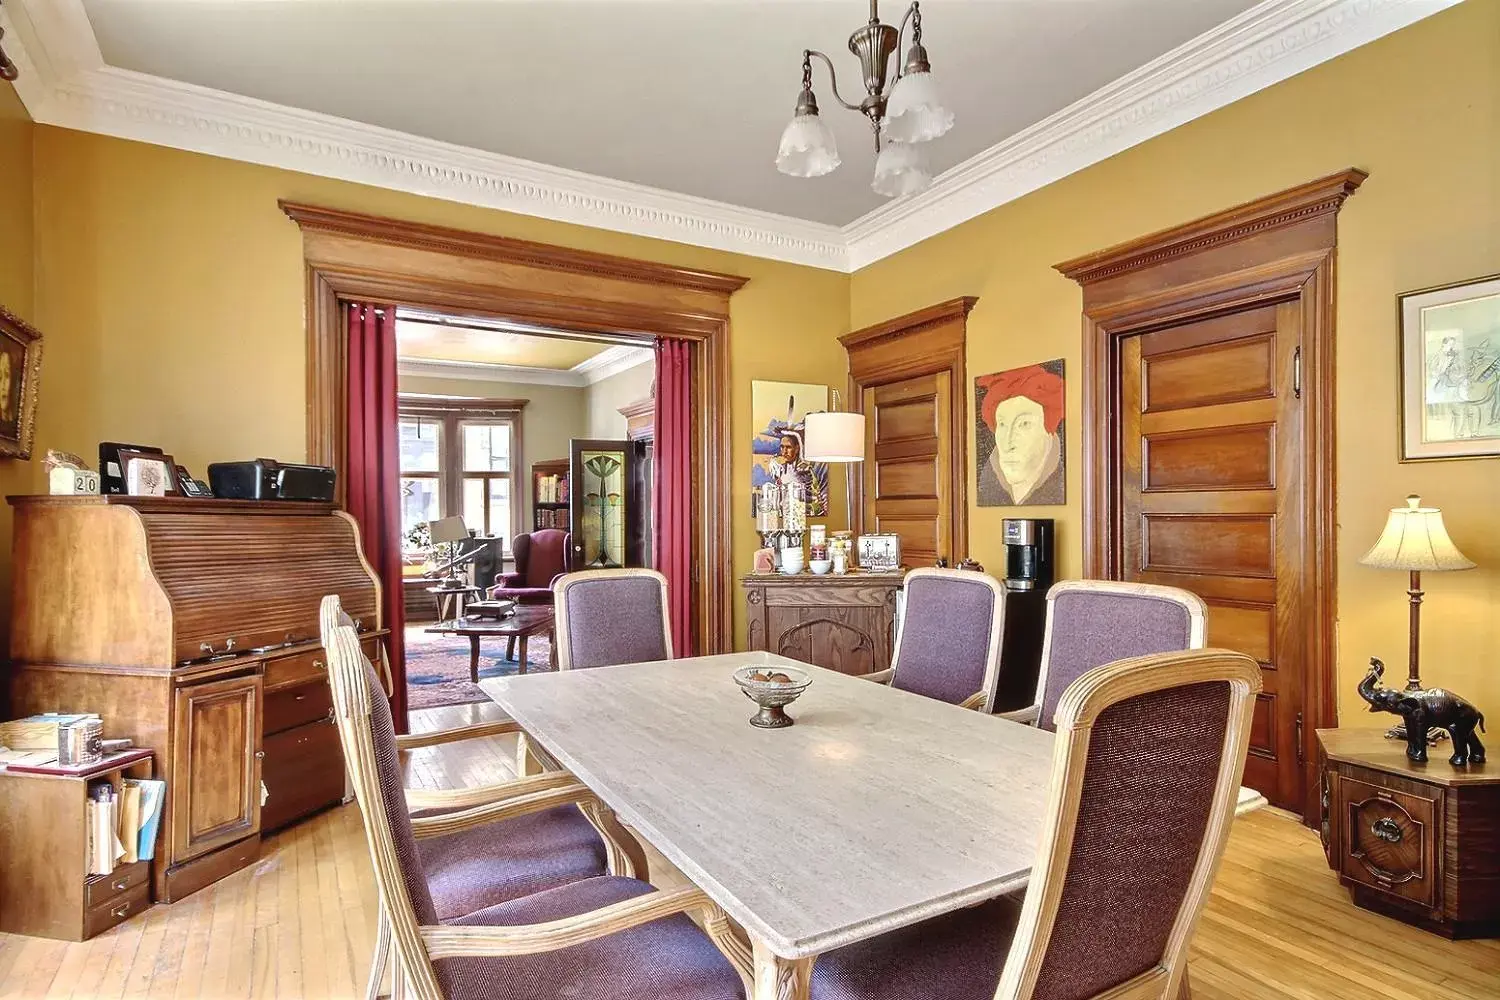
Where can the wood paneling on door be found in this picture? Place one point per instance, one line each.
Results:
(1208, 503)
(907, 376)
(215, 765)
(908, 436)
(1208, 444)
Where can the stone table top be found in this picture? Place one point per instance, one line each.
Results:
(878, 809)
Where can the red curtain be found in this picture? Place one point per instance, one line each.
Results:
(372, 473)
(672, 518)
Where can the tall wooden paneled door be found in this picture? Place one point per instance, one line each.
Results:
(1211, 492)
(908, 427)
(906, 376)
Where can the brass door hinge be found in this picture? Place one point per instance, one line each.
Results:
(1297, 372)
(1300, 758)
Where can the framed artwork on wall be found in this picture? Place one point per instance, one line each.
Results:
(1020, 436)
(1450, 371)
(777, 410)
(20, 371)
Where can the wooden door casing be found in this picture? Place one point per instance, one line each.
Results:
(216, 764)
(1210, 485)
(915, 365)
(1280, 248)
(908, 428)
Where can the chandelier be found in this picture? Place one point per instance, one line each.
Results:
(903, 115)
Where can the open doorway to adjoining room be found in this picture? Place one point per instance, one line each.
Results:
(525, 452)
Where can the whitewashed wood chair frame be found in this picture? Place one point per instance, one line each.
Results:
(623, 852)
(984, 699)
(1080, 707)
(417, 946)
(585, 577)
(1197, 613)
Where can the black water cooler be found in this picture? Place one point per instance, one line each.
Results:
(1028, 576)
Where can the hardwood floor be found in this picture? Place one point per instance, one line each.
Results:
(300, 923)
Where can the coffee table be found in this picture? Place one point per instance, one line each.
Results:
(527, 621)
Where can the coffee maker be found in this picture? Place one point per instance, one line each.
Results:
(1028, 552)
(1028, 576)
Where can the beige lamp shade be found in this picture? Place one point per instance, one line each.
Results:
(834, 437)
(1415, 539)
(449, 529)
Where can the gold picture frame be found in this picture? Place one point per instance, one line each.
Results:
(1449, 357)
(20, 373)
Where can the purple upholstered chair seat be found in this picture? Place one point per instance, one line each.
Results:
(668, 959)
(495, 863)
(523, 595)
(957, 956)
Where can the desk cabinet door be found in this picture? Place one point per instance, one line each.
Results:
(216, 763)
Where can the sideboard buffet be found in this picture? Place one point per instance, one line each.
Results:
(191, 627)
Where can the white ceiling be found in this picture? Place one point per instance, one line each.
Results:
(660, 117)
(684, 96)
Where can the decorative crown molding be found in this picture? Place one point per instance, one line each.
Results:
(608, 362)
(612, 361)
(64, 82)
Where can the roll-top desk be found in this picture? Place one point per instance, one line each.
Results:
(191, 627)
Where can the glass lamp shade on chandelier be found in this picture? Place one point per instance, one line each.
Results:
(903, 114)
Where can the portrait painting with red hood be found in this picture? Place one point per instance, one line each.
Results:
(1019, 436)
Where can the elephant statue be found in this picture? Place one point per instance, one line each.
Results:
(1426, 709)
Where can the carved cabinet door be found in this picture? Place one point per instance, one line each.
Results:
(216, 765)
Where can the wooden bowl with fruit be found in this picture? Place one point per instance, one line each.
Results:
(771, 686)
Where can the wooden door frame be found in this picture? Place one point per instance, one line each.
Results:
(1278, 248)
(354, 257)
(927, 346)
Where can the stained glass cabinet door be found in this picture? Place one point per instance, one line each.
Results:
(604, 504)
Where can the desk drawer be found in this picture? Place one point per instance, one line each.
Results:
(299, 668)
(98, 919)
(1390, 840)
(288, 707)
(100, 889)
(303, 772)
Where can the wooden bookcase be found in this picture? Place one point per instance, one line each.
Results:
(549, 514)
(45, 887)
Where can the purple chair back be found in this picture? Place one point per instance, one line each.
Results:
(541, 556)
(612, 616)
(949, 644)
(1094, 622)
(1164, 740)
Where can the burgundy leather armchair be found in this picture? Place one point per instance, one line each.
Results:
(541, 557)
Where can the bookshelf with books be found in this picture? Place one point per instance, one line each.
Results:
(79, 845)
(549, 492)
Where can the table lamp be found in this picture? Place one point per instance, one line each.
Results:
(835, 437)
(449, 531)
(1415, 540)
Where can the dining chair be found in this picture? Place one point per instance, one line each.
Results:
(609, 937)
(948, 644)
(471, 863)
(1093, 622)
(1145, 774)
(611, 616)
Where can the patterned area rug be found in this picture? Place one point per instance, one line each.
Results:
(437, 666)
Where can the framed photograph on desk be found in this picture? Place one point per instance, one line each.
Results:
(148, 474)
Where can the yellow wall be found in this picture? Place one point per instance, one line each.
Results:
(16, 252)
(605, 397)
(1420, 110)
(171, 287)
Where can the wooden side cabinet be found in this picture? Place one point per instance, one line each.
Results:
(845, 623)
(45, 887)
(1420, 843)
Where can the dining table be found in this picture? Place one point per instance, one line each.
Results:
(876, 809)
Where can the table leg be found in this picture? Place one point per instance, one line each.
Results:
(777, 978)
(510, 648)
(522, 668)
(474, 659)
